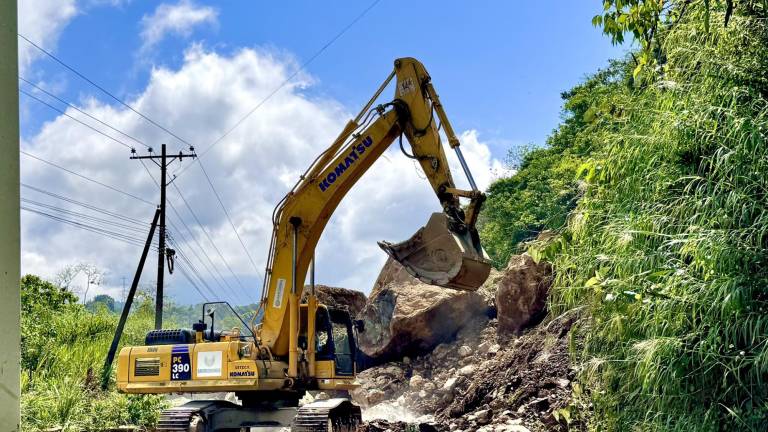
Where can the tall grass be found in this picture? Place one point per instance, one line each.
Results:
(64, 346)
(668, 248)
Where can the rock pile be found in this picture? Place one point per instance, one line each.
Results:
(405, 316)
(485, 373)
(341, 298)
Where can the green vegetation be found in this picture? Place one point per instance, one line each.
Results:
(545, 189)
(63, 350)
(664, 250)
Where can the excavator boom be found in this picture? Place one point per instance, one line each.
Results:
(308, 346)
(445, 252)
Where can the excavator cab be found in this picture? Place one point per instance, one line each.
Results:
(443, 253)
(335, 340)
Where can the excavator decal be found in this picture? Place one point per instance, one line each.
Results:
(181, 368)
(337, 172)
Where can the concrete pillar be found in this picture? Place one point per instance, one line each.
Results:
(10, 267)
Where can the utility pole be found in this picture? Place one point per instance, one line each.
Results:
(107, 371)
(122, 297)
(10, 353)
(165, 160)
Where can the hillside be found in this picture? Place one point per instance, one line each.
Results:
(655, 185)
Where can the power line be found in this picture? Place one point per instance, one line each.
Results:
(210, 239)
(84, 177)
(75, 119)
(293, 75)
(183, 258)
(224, 286)
(189, 279)
(136, 241)
(220, 281)
(205, 254)
(221, 204)
(84, 216)
(115, 235)
(82, 204)
(103, 90)
(84, 113)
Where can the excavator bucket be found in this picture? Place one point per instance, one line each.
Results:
(438, 256)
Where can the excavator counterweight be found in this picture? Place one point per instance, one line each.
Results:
(438, 255)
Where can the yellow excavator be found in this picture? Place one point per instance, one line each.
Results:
(298, 347)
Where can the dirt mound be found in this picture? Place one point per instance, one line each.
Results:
(479, 382)
(529, 380)
(489, 376)
(341, 298)
(385, 426)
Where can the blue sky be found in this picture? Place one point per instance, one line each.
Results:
(499, 65)
(197, 67)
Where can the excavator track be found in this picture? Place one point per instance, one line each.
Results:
(180, 419)
(220, 416)
(332, 415)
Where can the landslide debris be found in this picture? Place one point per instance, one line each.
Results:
(341, 298)
(522, 293)
(404, 316)
(481, 375)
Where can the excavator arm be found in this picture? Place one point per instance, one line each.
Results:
(445, 252)
(270, 373)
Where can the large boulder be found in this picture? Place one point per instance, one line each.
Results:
(341, 298)
(521, 296)
(405, 316)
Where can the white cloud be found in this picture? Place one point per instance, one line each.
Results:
(252, 169)
(42, 21)
(178, 19)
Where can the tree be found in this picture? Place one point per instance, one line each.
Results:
(37, 293)
(102, 299)
(66, 276)
(648, 20)
(41, 301)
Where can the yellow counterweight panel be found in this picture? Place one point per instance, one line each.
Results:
(150, 364)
